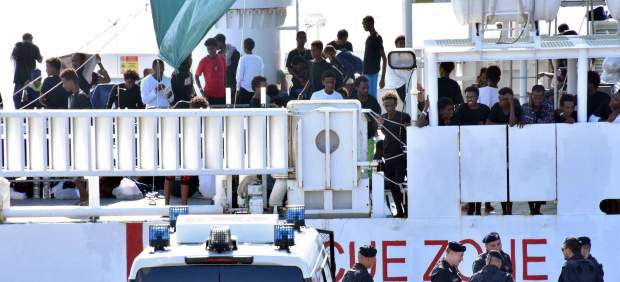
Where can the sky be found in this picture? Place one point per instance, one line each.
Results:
(61, 27)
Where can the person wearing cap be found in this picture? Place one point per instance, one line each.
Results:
(365, 260)
(586, 246)
(491, 271)
(492, 242)
(576, 268)
(446, 269)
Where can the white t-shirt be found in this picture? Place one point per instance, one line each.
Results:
(397, 78)
(321, 95)
(488, 96)
(250, 66)
(153, 98)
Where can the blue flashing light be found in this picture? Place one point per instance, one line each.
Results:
(159, 236)
(284, 235)
(296, 215)
(174, 213)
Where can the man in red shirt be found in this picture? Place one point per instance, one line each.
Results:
(213, 69)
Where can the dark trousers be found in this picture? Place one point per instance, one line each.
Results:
(243, 97)
(17, 98)
(402, 92)
(396, 170)
(216, 101)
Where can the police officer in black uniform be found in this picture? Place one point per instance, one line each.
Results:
(576, 268)
(492, 242)
(586, 246)
(491, 271)
(446, 269)
(365, 260)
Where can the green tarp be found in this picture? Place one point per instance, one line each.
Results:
(180, 25)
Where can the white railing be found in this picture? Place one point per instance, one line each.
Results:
(577, 165)
(41, 143)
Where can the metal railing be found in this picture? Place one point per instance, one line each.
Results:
(42, 143)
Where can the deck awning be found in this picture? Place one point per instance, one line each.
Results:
(181, 25)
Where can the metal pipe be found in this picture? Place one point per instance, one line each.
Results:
(431, 82)
(523, 81)
(407, 22)
(582, 93)
(79, 212)
(571, 76)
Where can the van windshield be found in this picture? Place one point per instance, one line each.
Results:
(220, 273)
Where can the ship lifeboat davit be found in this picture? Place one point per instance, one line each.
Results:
(491, 11)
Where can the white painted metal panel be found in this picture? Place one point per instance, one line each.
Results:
(588, 166)
(531, 163)
(433, 171)
(81, 148)
(483, 163)
(312, 161)
(278, 142)
(37, 144)
(169, 143)
(235, 145)
(104, 149)
(2, 138)
(213, 143)
(59, 143)
(15, 143)
(148, 143)
(191, 143)
(343, 161)
(257, 142)
(126, 143)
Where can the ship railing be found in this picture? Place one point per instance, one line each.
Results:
(89, 144)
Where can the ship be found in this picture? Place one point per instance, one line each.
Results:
(316, 151)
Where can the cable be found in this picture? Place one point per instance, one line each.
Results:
(133, 17)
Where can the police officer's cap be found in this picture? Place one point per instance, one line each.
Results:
(584, 241)
(495, 254)
(456, 247)
(368, 251)
(491, 237)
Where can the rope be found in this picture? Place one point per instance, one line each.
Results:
(133, 17)
(389, 132)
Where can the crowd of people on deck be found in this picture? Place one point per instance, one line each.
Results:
(323, 72)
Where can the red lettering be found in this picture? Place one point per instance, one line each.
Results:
(386, 260)
(478, 250)
(340, 250)
(442, 249)
(527, 259)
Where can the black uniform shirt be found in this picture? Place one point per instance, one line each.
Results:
(578, 269)
(443, 272)
(358, 273)
(491, 273)
(480, 262)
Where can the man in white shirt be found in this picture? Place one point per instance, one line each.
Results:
(489, 95)
(329, 91)
(250, 66)
(156, 88)
(398, 79)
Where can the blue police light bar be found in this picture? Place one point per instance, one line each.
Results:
(296, 215)
(174, 213)
(159, 236)
(284, 235)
